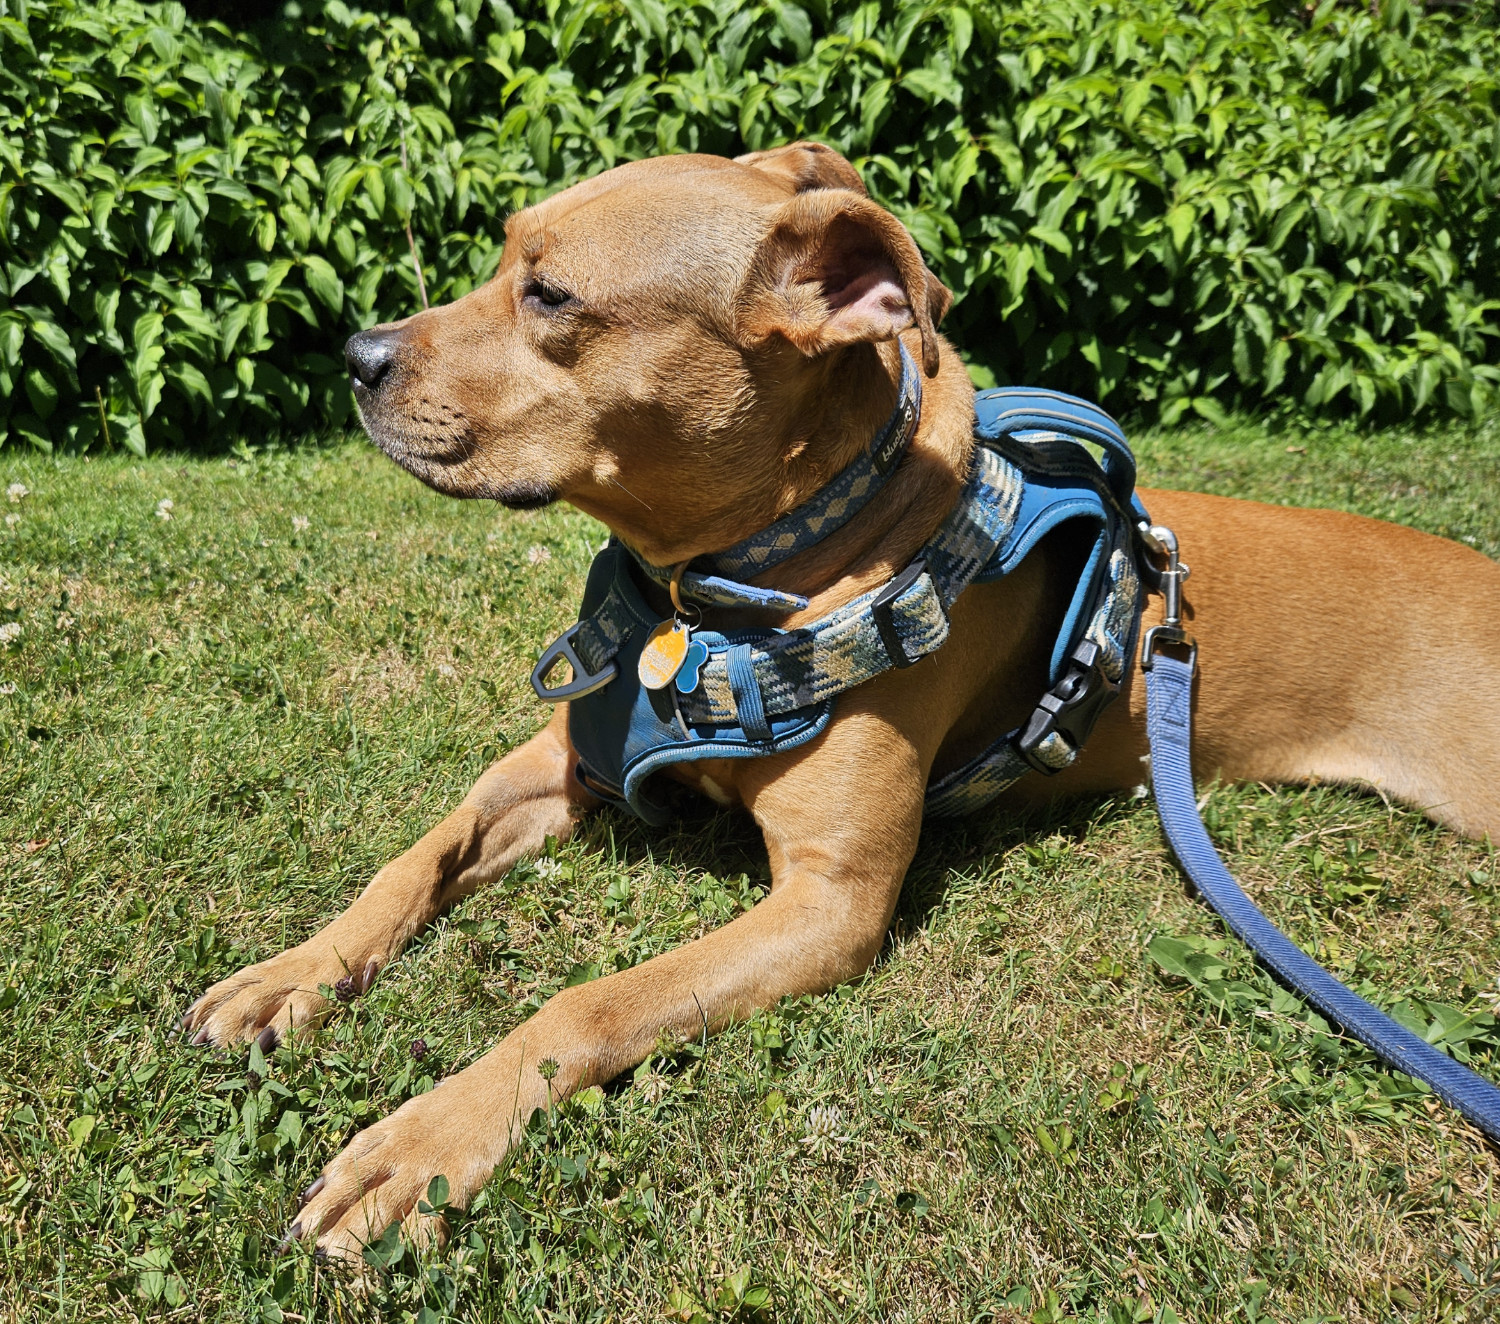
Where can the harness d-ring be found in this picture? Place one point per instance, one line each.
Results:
(583, 682)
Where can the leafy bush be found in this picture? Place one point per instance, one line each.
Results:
(1165, 206)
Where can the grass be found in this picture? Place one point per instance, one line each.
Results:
(1059, 1094)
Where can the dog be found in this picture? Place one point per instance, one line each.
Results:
(686, 348)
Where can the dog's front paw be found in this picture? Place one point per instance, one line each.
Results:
(265, 1000)
(385, 1172)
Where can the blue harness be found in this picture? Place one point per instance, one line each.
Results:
(763, 691)
(758, 692)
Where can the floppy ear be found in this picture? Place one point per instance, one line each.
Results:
(836, 269)
(805, 166)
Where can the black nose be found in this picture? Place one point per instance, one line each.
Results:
(370, 354)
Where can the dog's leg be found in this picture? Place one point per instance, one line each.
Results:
(527, 796)
(838, 856)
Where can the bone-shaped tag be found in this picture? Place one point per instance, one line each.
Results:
(692, 665)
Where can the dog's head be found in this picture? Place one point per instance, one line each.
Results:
(657, 343)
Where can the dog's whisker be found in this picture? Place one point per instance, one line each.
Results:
(628, 492)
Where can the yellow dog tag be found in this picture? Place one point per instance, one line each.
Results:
(665, 651)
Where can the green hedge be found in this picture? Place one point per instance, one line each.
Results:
(1166, 206)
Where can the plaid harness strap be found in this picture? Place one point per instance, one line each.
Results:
(762, 691)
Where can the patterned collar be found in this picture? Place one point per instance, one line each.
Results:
(715, 579)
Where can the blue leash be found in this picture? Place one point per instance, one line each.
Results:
(1169, 690)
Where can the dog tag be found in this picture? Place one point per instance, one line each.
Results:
(665, 651)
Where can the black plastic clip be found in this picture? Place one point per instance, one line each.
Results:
(584, 681)
(1071, 707)
(882, 606)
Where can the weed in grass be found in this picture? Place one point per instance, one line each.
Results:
(1061, 1093)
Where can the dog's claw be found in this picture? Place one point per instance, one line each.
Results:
(312, 1190)
(292, 1233)
(372, 968)
(200, 1038)
(267, 1039)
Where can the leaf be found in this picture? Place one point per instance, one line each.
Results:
(1285, 223)
(47, 332)
(1053, 238)
(289, 1127)
(162, 230)
(133, 438)
(385, 1251)
(539, 140)
(41, 390)
(80, 1129)
(1180, 221)
(1173, 955)
(234, 323)
(323, 281)
(793, 22)
(1205, 406)
(106, 306)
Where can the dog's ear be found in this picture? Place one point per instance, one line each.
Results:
(806, 166)
(836, 269)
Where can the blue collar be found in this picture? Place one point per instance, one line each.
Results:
(716, 579)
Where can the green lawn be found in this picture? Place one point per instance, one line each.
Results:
(214, 727)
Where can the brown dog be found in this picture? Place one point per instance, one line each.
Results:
(687, 348)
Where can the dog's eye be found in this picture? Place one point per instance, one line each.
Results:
(545, 292)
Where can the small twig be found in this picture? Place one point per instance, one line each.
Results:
(411, 241)
(103, 417)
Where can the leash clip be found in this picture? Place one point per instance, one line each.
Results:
(1161, 541)
(583, 682)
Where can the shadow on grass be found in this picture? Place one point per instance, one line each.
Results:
(727, 842)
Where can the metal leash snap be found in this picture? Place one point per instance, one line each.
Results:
(1161, 541)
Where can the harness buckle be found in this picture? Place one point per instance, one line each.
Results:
(584, 681)
(882, 612)
(1163, 542)
(1069, 709)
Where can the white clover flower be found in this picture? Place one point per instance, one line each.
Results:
(536, 554)
(654, 1086)
(17, 492)
(10, 632)
(9, 687)
(823, 1122)
(164, 508)
(546, 867)
(11, 521)
(300, 523)
(444, 669)
(821, 1127)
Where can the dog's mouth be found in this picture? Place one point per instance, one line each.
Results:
(434, 443)
(414, 432)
